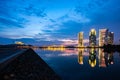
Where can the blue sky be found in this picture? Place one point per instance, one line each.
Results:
(46, 22)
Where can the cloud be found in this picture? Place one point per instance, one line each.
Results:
(30, 20)
(40, 20)
(68, 42)
(13, 14)
(89, 6)
(86, 41)
(31, 10)
(8, 22)
(72, 16)
(100, 12)
(72, 42)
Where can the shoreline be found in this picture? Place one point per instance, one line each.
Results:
(27, 66)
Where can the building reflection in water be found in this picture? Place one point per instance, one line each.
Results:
(109, 58)
(105, 58)
(80, 56)
(101, 58)
(92, 57)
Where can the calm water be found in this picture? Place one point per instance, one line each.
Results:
(83, 64)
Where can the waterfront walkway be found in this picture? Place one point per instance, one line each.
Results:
(26, 65)
(8, 53)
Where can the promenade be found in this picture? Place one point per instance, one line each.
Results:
(24, 65)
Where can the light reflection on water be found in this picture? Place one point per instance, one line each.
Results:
(83, 64)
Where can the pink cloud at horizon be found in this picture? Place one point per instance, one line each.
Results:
(68, 42)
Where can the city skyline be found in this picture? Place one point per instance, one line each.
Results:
(59, 39)
(35, 22)
(105, 37)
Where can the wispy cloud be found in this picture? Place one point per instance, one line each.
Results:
(47, 21)
(72, 41)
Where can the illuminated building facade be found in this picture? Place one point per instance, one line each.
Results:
(19, 43)
(103, 36)
(92, 38)
(80, 39)
(110, 38)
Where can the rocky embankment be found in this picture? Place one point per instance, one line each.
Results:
(27, 66)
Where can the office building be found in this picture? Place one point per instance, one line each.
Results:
(110, 38)
(80, 39)
(103, 36)
(92, 38)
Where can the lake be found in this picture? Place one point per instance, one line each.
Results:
(83, 64)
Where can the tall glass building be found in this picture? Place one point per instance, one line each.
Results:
(110, 38)
(92, 38)
(103, 36)
(80, 39)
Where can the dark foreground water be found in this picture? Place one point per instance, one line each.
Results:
(83, 64)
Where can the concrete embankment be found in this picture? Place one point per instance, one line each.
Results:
(27, 66)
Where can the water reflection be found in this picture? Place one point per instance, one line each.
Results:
(92, 57)
(82, 64)
(109, 58)
(101, 57)
(105, 58)
(80, 56)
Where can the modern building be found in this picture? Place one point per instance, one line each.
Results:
(103, 36)
(110, 38)
(92, 38)
(80, 39)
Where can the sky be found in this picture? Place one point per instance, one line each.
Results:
(48, 22)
